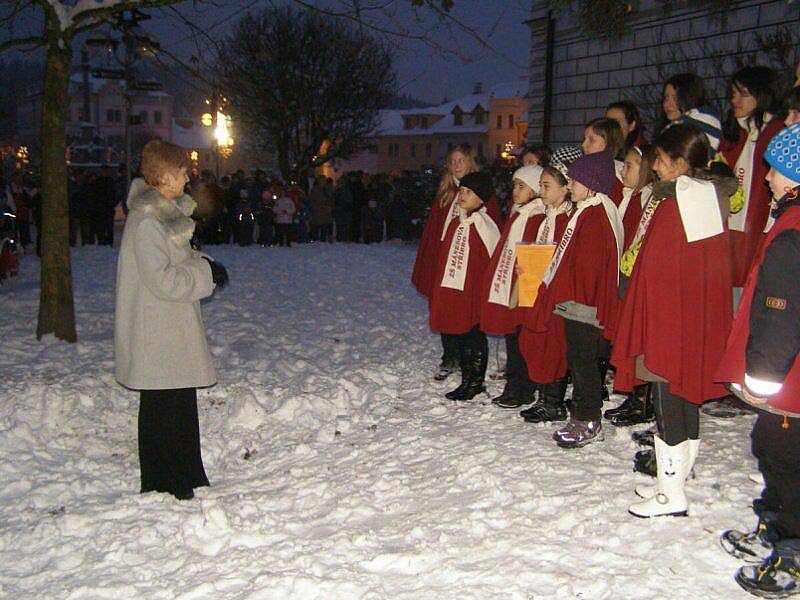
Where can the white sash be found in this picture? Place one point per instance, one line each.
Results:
(455, 272)
(648, 210)
(616, 226)
(500, 289)
(545, 236)
(744, 171)
(699, 208)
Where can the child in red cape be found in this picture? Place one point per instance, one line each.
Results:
(456, 301)
(761, 362)
(677, 309)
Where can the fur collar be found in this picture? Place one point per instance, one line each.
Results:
(174, 215)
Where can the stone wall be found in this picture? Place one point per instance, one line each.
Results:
(588, 74)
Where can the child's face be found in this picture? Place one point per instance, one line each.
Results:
(631, 169)
(469, 200)
(579, 191)
(458, 165)
(553, 193)
(529, 158)
(669, 169)
(792, 117)
(779, 184)
(742, 102)
(173, 182)
(522, 192)
(670, 103)
(592, 142)
(619, 116)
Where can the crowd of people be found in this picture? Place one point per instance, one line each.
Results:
(359, 207)
(673, 263)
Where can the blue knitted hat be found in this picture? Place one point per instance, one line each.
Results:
(783, 152)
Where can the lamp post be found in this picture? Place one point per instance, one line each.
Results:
(222, 142)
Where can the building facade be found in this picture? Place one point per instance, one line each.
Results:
(573, 78)
(492, 123)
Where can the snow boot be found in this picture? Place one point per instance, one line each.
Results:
(515, 400)
(751, 547)
(644, 438)
(636, 409)
(644, 462)
(673, 466)
(444, 371)
(473, 373)
(577, 434)
(776, 577)
(726, 408)
(644, 490)
(550, 406)
(602, 366)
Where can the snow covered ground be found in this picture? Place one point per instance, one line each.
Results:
(338, 470)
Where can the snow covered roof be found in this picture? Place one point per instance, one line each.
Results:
(393, 122)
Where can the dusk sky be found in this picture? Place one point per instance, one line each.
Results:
(424, 72)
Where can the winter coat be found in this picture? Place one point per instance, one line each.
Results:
(765, 337)
(677, 310)
(159, 339)
(321, 206)
(284, 210)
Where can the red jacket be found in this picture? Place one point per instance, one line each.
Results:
(744, 243)
(633, 213)
(588, 275)
(458, 311)
(678, 306)
(732, 366)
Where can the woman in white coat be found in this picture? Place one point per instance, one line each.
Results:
(159, 341)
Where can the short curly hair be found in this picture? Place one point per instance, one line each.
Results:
(158, 157)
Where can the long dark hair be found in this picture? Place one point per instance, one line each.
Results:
(687, 142)
(631, 113)
(690, 91)
(762, 85)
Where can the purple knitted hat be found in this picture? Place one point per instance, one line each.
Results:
(595, 171)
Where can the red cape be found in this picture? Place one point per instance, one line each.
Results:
(458, 311)
(587, 274)
(495, 318)
(732, 365)
(744, 243)
(678, 306)
(423, 277)
(633, 214)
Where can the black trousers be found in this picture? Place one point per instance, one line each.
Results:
(475, 341)
(585, 348)
(169, 441)
(517, 379)
(678, 420)
(778, 453)
(284, 234)
(450, 349)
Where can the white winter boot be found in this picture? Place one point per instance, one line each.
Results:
(673, 464)
(646, 490)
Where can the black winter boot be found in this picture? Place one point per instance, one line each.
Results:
(550, 406)
(602, 366)
(636, 409)
(473, 373)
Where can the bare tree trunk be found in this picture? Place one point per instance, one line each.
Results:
(56, 309)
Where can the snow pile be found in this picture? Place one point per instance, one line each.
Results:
(338, 470)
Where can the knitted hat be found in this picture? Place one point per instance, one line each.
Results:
(480, 183)
(783, 152)
(595, 171)
(563, 157)
(530, 175)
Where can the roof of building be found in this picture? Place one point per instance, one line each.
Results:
(392, 122)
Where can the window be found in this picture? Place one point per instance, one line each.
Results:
(157, 117)
(480, 116)
(114, 115)
(428, 150)
(499, 121)
(458, 117)
(143, 117)
(413, 151)
(424, 122)
(480, 149)
(511, 121)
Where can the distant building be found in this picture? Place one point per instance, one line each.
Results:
(574, 77)
(492, 122)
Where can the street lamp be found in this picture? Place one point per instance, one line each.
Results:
(222, 141)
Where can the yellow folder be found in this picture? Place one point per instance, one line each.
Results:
(533, 259)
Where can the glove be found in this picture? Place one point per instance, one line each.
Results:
(218, 273)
